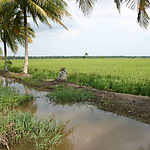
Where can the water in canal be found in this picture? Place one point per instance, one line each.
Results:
(93, 129)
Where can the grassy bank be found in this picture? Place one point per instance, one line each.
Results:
(119, 75)
(24, 128)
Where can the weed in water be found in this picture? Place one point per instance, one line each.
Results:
(70, 96)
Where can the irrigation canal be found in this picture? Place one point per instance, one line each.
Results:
(93, 129)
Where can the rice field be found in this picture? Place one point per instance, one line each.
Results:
(119, 75)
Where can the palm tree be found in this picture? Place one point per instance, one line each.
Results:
(38, 9)
(12, 31)
(7, 35)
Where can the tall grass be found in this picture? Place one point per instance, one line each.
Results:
(118, 75)
(18, 128)
(10, 97)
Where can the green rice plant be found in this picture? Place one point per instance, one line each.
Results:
(130, 76)
(9, 97)
(70, 96)
(18, 128)
(113, 83)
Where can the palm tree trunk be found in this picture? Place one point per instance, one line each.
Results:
(5, 52)
(25, 67)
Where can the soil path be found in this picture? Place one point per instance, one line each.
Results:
(132, 106)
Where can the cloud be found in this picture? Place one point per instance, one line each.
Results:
(68, 34)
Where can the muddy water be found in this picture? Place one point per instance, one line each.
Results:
(93, 129)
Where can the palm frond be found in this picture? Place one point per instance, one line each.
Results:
(86, 5)
(143, 19)
(136, 4)
(3, 3)
(55, 10)
(118, 4)
(11, 41)
(37, 8)
(141, 6)
(29, 40)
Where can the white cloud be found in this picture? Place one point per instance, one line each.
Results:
(68, 34)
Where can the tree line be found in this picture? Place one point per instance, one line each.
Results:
(71, 57)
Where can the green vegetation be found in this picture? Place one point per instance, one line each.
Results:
(43, 10)
(39, 76)
(70, 96)
(9, 97)
(119, 75)
(18, 128)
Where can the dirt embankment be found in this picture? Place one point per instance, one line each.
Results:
(132, 106)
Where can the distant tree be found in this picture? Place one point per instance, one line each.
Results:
(101, 56)
(86, 54)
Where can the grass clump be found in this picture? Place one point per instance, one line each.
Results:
(10, 97)
(18, 128)
(71, 95)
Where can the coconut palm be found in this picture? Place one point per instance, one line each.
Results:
(12, 30)
(6, 34)
(38, 9)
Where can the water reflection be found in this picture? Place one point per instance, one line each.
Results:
(93, 130)
(28, 105)
(64, 103)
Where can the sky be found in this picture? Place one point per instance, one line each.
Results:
(105, 32)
